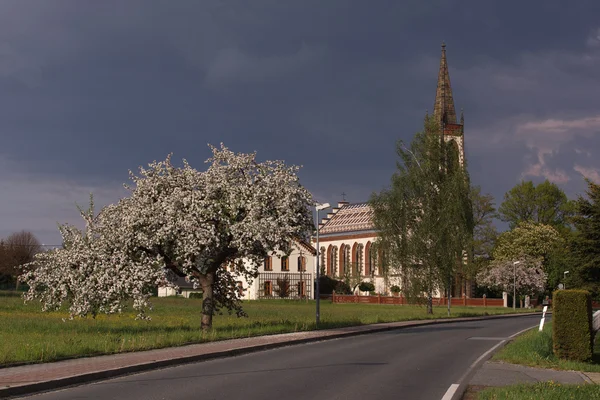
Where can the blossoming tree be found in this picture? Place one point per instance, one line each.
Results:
(177, 222)
(528, 277)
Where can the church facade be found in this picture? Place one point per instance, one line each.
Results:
(347, 236)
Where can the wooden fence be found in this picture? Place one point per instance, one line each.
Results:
(378, 299)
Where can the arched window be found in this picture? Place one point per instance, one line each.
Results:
(268, 264)
(285, 263)
(357, 259)
(380, 260)
(331, 260)
(344, 259)
(368, 259)
(301, 263)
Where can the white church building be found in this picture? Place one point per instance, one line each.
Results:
(347, 237)
(280, 276)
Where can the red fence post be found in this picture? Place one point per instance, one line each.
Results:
(464, 300)
(356, 298)
(333, 296)
(378, 298)
(484, 301)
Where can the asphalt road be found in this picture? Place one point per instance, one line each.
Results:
(412, 363)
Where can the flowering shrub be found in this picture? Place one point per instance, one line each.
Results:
(529, 276)
(177, 222)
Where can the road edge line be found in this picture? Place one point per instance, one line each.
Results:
(463, 382)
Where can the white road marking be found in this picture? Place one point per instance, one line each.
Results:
(450, 392)
(518, 333)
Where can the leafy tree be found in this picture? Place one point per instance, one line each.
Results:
(17, 249)
(545, 204)
(177, 221)
(424, 218)
(484, 231)
(585, 242)
(527, 239)
(534, 240)
(529, 276)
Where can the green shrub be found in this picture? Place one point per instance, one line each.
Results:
(327, 285)
(195, 295)
(395, 289)
(572, 324)
(366, 287)
(342, 287)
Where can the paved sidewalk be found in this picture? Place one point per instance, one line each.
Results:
(504, 374)
(39, 377)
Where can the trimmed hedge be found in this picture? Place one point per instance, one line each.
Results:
(366, 287)
(572, 324)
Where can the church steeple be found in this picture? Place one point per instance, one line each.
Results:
(443, 109)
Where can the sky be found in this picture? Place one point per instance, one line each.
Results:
(90, 90)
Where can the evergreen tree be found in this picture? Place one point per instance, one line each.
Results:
(425, 219)
(585, 242)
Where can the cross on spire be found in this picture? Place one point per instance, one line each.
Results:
(343, 196)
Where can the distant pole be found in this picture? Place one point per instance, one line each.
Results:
(514, 285)
(317, 289)
(565, 279)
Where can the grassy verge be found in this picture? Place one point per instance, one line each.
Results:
(545, 391)
(29, 336)
(534, 349)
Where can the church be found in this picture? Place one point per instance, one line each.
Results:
(347, 236)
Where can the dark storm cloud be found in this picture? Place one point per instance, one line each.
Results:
(91, 89)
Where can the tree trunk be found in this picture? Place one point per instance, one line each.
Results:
(208, 306)
(429, 303)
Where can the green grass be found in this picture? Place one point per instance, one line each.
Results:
(534, 349)
(541, 391)
(29, 336)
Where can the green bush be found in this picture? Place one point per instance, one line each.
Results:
(195, 295)
(342, 287)
(366, 287)
(327, 285)
(395, 289)
(572, 324)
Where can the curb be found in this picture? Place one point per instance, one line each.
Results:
(75, 380)
(585, 377)
(466, 378)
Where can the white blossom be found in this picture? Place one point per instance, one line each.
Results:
(177, 221)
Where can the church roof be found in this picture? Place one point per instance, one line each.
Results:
(443, 109)
(349, 218)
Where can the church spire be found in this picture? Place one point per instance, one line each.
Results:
(443, 110)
